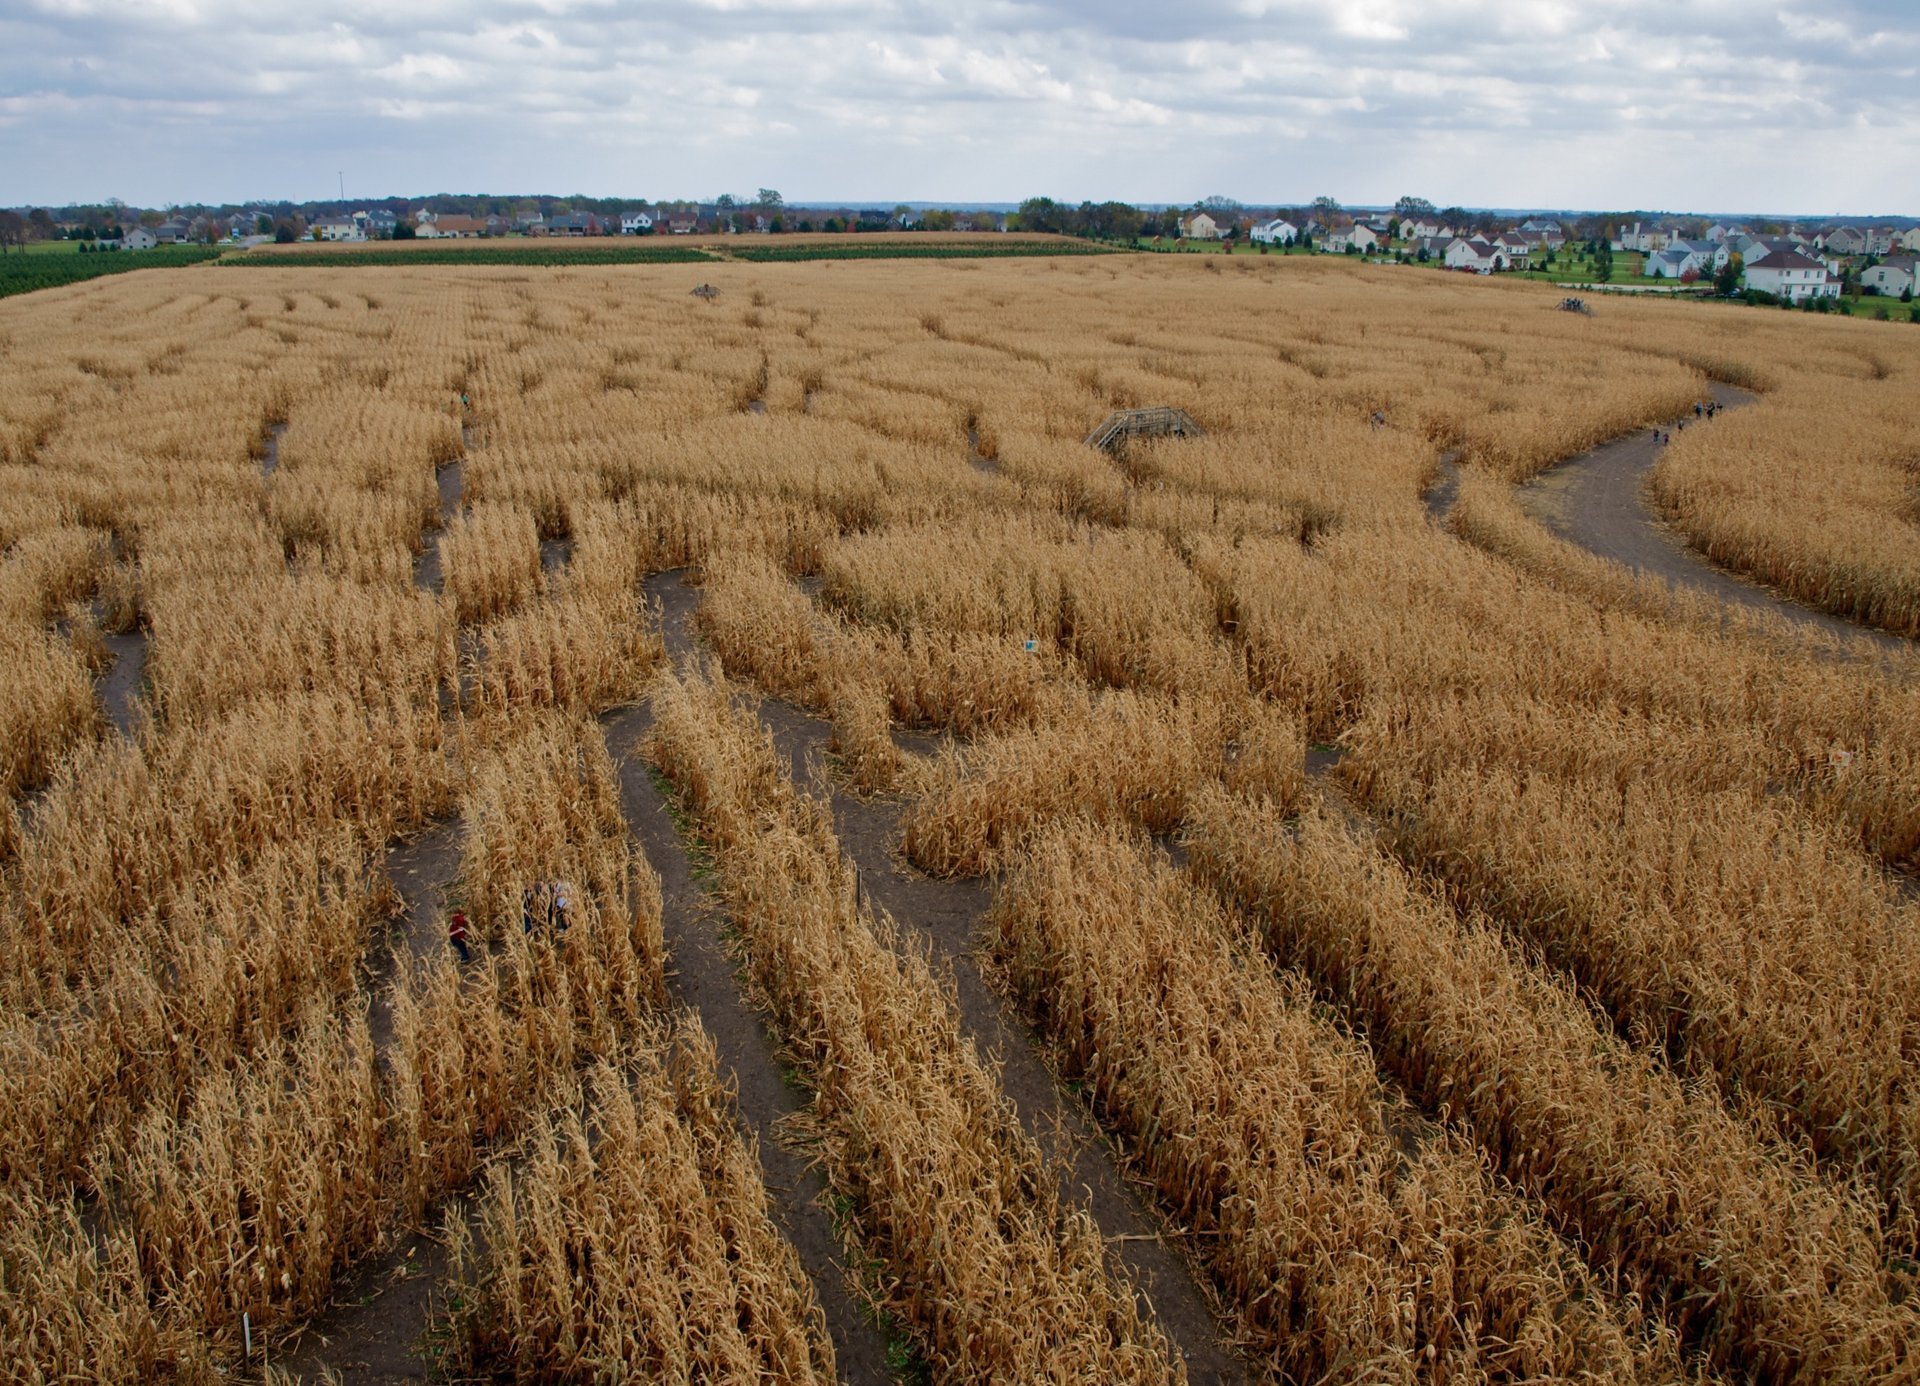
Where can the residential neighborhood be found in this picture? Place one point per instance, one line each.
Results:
(1797, 262)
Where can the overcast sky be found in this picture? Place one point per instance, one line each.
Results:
(1801, 106)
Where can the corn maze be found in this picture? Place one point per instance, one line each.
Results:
(1460, 959)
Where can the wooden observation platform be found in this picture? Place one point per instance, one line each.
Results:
(1162, 422)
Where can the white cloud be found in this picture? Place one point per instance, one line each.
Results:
(1716, 104)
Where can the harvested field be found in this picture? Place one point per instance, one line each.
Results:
(1251, 906)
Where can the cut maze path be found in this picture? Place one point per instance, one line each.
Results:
(703, 978)
(376, 1331)
(120, 685)
(1597, 500)
(948, 914)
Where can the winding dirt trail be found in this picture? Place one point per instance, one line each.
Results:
(119, 687)
(702, 978)
(376, 1331)
(1598, 501)
(450, 481)
(948, 913)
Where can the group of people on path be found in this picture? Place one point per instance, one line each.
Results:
(1703, 410)
(545, 904)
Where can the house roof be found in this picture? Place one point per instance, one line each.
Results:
(1786, 260)
(452, 223)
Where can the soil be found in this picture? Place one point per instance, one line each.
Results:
(376, 1330)
(1439, 496)
(422, 869)
(375, 1333)
(948, 912)
(975, 458)
(120, 685)
(702, 979)
(449, 482)
(270, 457)
(555, 554)
(1598, 501)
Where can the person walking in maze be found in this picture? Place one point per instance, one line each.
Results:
(458, 934)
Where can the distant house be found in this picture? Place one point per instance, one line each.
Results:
(138, 238)
(1538, 227)
(1671, 263)
(1200, 227)
(1682, 256)
(1477, 255)
(378, 221)
(1790, 275)
(1276, 232)
(452, 228)
(1910, 240)
(1518, 249)
(682, 226)
(1360, 236)
(1844, 240)
(576, 224)
(636, 224)
(1641, 237)
(339, 229)
(1426, 228)
(1893, 276)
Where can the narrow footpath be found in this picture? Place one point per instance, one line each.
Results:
(1598, 501)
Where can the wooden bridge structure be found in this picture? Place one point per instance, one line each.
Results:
(1162, 422)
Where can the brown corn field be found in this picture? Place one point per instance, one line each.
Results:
(508, 826)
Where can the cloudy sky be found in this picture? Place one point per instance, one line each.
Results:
(1738, 105)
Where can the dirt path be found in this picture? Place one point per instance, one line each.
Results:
(948, 912)
(376, 1331)
(120, 685)
(450, 482)
(270, 454)
(1598, 501)
(702, 979)
(1439, 496)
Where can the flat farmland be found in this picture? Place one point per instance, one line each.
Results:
(559, 828)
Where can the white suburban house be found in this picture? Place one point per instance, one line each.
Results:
(1910, 240)
(138, 238)
(1425, 229)
(1681, 257)
(1279, 231)
(1360, 236)
(1477, 255)
(1790, 275)
(1893, 276)
(635, 224)
(339, 229)
(1200, 227)
(1518, 249)
(1641, 237)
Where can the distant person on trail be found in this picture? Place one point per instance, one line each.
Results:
(1379, 420)
(559, 912)
(526, 910)
(1697, 410)
(457, 935)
